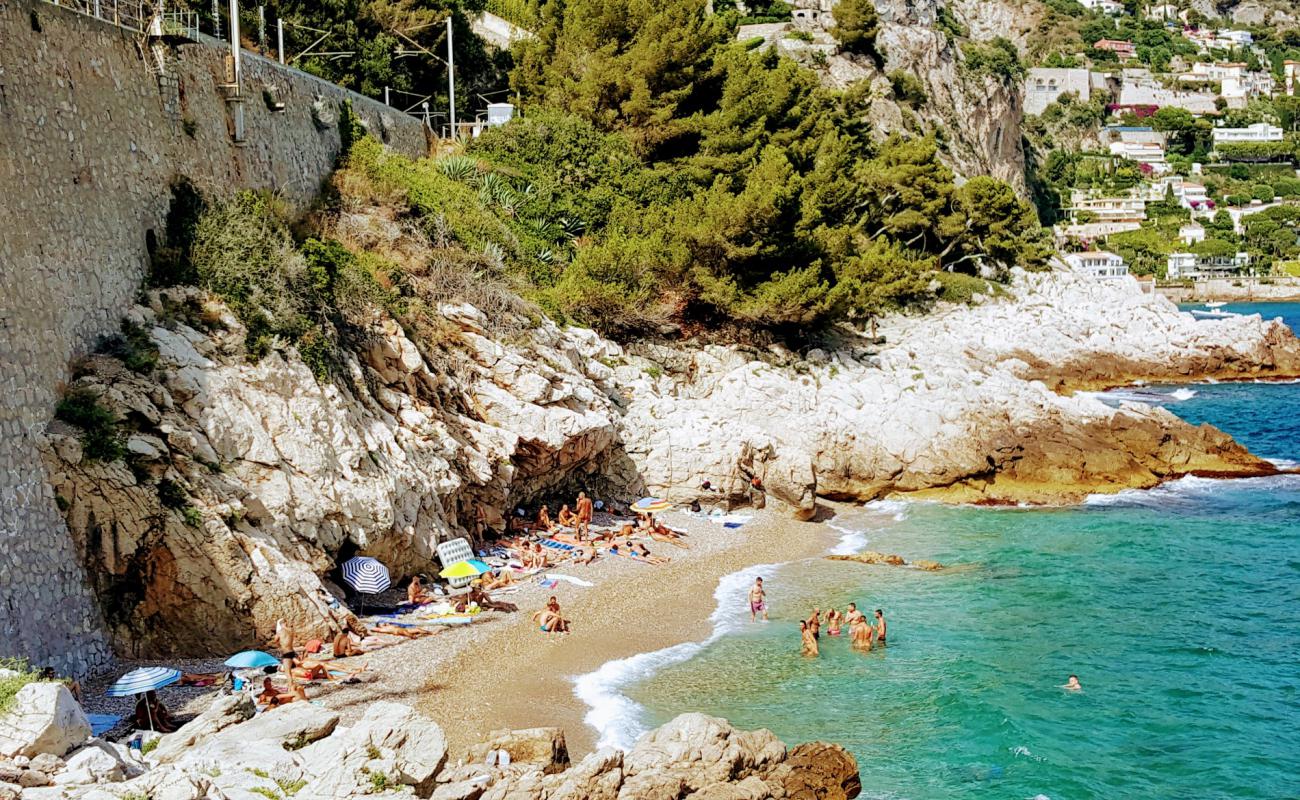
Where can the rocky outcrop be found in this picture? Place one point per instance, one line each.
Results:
(394, 752)
(244, 483)
(890, 559)
(44, 720)
(961, 405)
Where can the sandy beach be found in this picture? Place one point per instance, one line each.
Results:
(501, 672)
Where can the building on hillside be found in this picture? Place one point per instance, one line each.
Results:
(1259, 132)
(813, 14)
(1215, 71)
(1122, 49)
(1044, 86)
(1185, 193)
(1227, 38)
(1134, 134)
(1112, 7)
(1191, 265)
(1106, 209)
(1291, 76)
(1097, 264)
(1236, 83)
(1191, 233)
(1165, 11)
(1153, 155)
(1145, 100)
(1091, 231)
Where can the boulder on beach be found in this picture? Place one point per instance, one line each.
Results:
(45, 718)
(544, 747)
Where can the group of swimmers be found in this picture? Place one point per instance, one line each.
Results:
(864, 633)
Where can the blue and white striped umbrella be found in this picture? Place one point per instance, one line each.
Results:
(366, 575)
(144, 679)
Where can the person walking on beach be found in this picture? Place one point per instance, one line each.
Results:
(880, 626)
(815, 623)
(757, 600)
(583, 512)
(809, 641)
(284, 639)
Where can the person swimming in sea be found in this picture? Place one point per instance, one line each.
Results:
(1073, 685)
(808, 640)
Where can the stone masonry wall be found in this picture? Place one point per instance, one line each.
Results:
(90, 139)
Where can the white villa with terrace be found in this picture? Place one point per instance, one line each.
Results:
(1097, 264)
(1259, 132)
(1191, 265)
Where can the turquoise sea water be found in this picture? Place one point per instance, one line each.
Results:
(1178, 608)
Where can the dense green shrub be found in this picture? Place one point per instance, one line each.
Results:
(1257, 151)
(9, 685)
(101, 435)
(998, 58)
(856, 26)
(907, 87)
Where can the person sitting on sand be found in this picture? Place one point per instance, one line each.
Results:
(415, 593)
(499, 580)
(833, 623)
(517, 525)
(809, 641)
(544, 522)
(550, 619)
(1073, 684)
(150, 713)
(270, 697)
(645, 522)
(540, 559)
(583, 514)
(345, 647)
(566, 518)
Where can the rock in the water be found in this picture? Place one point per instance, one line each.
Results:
(44, 719)
(695, 751)
(818, 771)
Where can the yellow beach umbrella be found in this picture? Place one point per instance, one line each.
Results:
(470, 568)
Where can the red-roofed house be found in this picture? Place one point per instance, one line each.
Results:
(1124, 50)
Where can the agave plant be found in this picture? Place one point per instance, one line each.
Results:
(572, 226)
(546, 256)
(458, 168)
(495, 253)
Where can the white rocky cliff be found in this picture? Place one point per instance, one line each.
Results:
(245, 484)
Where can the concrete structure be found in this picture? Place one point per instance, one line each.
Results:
(1259, 132)
(1165, 11)
(1134, 135)
(1088, 231)
(1191, 265)
(1097, 264)
(1153, 155)
(1107, 209)
(496, 31)
(1122, 49)
(1235, 82)
(1139, 96)
(1112, 7)
(813, 14)
(1044, 86)
(1191, 232)
(91, 136)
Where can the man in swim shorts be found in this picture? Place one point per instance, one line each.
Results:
(815, 623)
(757, 600)
(880, 626)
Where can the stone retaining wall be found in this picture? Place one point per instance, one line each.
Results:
(90, 139)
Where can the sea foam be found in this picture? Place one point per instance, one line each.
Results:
(617, 718)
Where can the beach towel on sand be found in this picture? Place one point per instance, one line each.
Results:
(555, 576)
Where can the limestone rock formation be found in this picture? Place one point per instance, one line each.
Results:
(44, 719)
(245, 484)
(395, 752)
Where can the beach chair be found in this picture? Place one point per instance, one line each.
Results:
(452, 551)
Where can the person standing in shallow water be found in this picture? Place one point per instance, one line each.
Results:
(809, 641)
(880, 627)
(815, 623)
(833, 621)
(757, 600)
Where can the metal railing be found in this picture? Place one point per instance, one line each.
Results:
(133, 14)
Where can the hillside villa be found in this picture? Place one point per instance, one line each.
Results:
(1122, 50)
(1191, 265)
(1259, 132)
(1097, 264)
(1191, 232)
(1044, 86)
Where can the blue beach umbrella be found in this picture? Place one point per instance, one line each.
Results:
(252, 659)
(366, 575)
(144, 679)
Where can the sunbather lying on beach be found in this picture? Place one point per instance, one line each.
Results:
(397, 630)
(415, 593)
(585, 554)
(316, 671)
(270, 697)
(477, 595)
(639, 550)
(499, 580)
(660, 533)
(202, 678)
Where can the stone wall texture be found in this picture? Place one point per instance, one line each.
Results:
(91, 137)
